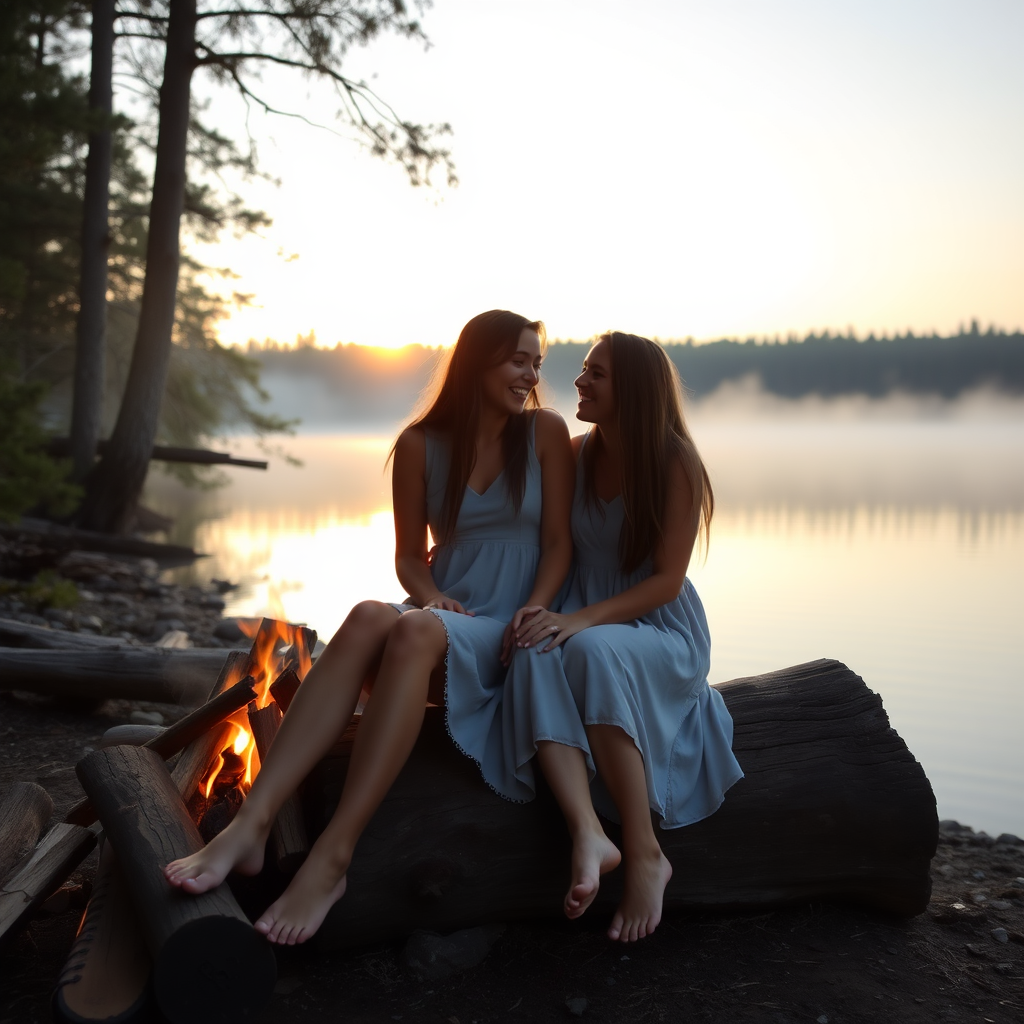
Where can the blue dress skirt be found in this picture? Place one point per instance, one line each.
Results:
(648, 677)
(489, 567)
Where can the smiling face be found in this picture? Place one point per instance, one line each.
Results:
(506, 387)
(594, 384)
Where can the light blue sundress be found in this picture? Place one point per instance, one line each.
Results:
(488, 566)
(648, 677)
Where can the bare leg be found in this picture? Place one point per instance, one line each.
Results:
(593, 853)
(621, 767)
(387, 732)
(322, 707)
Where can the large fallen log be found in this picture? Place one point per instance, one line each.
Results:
(832, 807)
(162, 674)
(209, 963)
(68, 538)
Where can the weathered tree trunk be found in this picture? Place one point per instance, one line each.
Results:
(24, 812)
(114, 488)
(833, 807)
(90, 341)
(209, 963)
(132, 673)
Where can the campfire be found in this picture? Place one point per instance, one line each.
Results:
(205, 961)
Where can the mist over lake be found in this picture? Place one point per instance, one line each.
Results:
(886, 532)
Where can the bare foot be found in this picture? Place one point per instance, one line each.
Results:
(640, 910)
(303, 906)
(238, 848)
(593, 855)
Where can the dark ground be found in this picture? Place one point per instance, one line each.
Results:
(806, 963)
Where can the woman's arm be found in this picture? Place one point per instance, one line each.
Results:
(558, 482)
(671, 559)
(409, 497)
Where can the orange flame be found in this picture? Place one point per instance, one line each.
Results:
(277, 646)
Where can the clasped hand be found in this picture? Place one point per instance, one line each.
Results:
(535, 625)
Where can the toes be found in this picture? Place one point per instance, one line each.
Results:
(615, 928)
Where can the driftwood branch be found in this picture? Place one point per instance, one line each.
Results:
(69, 538)
(60, 852)
(209, 963)
(168, 675)
(833, 807)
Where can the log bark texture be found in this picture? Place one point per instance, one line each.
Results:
(832, 807)
(106, 977)
(24, 634)
(132, 673)
(24, 812)
(288, 839)
(209, 963)
(60, 852)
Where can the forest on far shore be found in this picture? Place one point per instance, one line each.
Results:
(353, 382)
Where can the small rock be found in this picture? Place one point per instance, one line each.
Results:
(979, 897)
(1008, 839)
(1003, 968)
(228, 629)
(91, 622)
(434, 957)
(576, 1005)
(948, 825)
(176, 639)
(212, 601)
(947, 870)
(823, 1019)
(977, 874)
(974, 949)
(1019, 883)
(131, 735)
(62, 615)
(146, 718)
(1000, 935)
(1000, 904)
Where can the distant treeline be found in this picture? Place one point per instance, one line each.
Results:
(355, 383)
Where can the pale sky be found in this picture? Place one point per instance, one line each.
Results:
(667, 168)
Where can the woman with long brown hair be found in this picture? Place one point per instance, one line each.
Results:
(489, 474)
(617, 678)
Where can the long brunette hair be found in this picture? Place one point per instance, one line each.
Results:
(649, 410)
(451, 406)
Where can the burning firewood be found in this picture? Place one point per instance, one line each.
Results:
(288, 839)
(284, 688)
(60, 852)
(209, 963)
(24, 812)
(179, 735)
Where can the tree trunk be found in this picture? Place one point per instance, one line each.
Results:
(832, 807)
(90, 342)
(113, 489)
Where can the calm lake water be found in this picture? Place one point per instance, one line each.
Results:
(887, 535)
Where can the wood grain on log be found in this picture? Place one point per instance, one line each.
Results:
(193, 726)
(60, 852)
(132, 673)
(288, 840)
(198, 757)
(24, 812)
(209, 963)
(106, 976)
(833, 807)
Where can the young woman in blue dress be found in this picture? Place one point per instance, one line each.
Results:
(617, 679)
(490, 475)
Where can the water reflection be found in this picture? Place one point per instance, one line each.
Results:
(894, 546)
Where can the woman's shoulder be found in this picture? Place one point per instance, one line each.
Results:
(577, 442)
(411, 443)
(549, 430)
